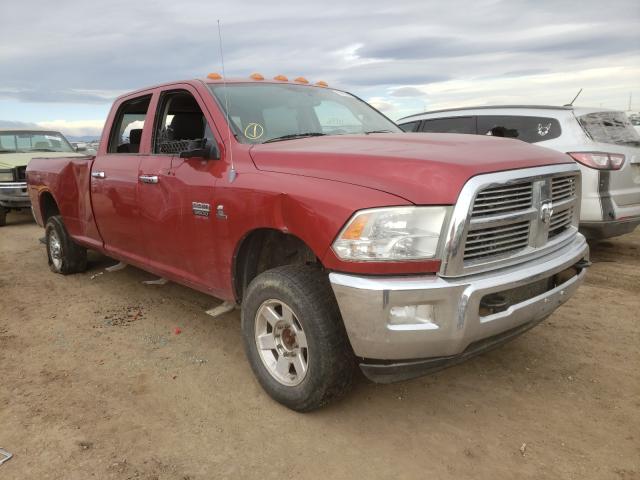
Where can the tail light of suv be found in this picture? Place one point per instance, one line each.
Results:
(599, 160)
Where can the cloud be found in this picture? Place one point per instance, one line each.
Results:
(407, 92)
(75, 128)
(87, 53)
(18, 125)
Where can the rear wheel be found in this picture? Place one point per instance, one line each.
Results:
(294, 337)
(65, 256)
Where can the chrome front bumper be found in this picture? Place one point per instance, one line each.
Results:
(14, 195)
(366, 303)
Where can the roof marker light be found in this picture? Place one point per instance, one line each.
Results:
(281, 78)
(301, 80)
(256, 76)
(214, 76)
(322, 83)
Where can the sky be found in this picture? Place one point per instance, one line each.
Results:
(62, 63)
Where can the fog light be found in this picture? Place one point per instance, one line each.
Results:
(423, 315)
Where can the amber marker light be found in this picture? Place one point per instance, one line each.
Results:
(301, 80)
(256, 76)
(281, 78)
(322, 83)
(355, 228)
(214, 76)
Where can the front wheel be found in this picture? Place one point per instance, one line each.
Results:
(294, 337)
(64, 255)
(3, 216)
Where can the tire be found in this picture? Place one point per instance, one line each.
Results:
(305, 292)
(64, 255)
(3, 216)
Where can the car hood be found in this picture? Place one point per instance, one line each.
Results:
(12, 160)
(421, 168)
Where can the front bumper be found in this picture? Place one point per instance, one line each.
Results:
(612, 228)
(14, 195)
(459, 326)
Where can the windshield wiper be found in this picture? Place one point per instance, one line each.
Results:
(379, 131)
(7, 151)
(292, 136)
(631, 142)
(43, 150)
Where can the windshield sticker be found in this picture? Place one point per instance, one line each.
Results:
(253, 131)
(51, 137)
(543, 129)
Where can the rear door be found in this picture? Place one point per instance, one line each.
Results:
(114, 179)
(612, 132)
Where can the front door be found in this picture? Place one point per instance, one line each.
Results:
(176, 196)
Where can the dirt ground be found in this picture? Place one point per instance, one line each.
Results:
(95, 383)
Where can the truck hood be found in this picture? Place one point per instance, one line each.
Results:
(12, 160)
(421, 168)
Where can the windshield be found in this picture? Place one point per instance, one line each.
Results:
(24, 141)
(266, 112)
(610, 127)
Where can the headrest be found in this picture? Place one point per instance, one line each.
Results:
(187, 126)
(135, 135)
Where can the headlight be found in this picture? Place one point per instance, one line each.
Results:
(6, 176)
(394, 233)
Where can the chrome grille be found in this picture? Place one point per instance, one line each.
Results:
(509, 217)
(502, 199)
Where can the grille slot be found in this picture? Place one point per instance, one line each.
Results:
(562, 188)
(21, 173)
(487, 242)
(503, 199)
(560, 222)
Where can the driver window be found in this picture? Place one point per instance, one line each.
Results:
(181, 125)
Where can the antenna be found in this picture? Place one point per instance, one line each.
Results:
(232, 173)
(574, 99)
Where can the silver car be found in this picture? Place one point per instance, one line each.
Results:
(603, 143)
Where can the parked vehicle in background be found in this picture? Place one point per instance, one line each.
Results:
(17, 147)
(344, 240)
(603, 142)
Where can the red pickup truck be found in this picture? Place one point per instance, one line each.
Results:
(344, 240)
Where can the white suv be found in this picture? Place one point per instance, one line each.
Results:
(603, 142)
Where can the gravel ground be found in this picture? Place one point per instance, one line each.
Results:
(96, 383)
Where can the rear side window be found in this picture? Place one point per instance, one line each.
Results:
(450, 125)
(410, 126)
(527, 129)
(609, 127)
(126, 132)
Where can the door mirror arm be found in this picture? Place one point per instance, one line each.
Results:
(206, 152)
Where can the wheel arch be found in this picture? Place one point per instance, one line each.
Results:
(47, 206)
(262, 249)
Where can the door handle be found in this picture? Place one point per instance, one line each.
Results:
(98, 174)
(148, 178)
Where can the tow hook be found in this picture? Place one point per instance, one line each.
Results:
(584, 263)
(494, 303)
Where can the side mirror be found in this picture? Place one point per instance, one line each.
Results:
(206, 152)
